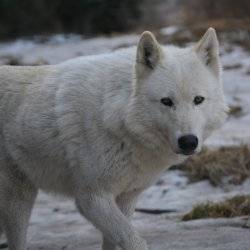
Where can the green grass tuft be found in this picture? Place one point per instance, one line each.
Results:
(236, 206)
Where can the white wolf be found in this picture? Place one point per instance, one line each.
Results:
(100, 129)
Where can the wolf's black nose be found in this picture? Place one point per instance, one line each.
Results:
(188, 143)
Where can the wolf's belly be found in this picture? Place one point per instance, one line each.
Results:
(43, 162)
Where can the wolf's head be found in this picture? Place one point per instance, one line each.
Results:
(177, 94)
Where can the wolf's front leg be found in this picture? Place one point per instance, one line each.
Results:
(102, 210)
(126, 203)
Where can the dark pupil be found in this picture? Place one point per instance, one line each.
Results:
(198, 100)
(167, 101)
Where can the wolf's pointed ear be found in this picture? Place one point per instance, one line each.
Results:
(208, 50)
(148, 53)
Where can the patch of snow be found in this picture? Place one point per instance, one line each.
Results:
(60, 48)
(16, 48)
(176, 193)
(169, 31)
(236, 131)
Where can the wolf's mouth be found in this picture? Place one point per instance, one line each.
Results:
(190, 152)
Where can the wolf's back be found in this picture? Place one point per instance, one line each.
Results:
(15, 83)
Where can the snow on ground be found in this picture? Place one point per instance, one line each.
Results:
(176, 194)
(237, 90)
(55, 224)
(60, 48)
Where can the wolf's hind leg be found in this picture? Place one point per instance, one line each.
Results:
(3, 244)
(18, 197)
(1, 230)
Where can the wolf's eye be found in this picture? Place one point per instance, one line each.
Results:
(198, 100)
(167, 101)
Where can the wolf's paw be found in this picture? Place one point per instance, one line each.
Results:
(3, 245)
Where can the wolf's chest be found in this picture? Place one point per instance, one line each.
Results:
(131, 171)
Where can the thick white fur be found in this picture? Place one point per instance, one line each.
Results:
(94, 129)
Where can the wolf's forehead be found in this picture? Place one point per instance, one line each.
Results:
(185, 69)
(177, 86)
(182, 73)
(182, 64)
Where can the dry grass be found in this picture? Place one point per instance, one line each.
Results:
(214, 165)
(233, 30)
(236, 206)
(221, 25)
(235, 110)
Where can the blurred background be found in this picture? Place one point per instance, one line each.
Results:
(95, 17)
(44, 22)
(201, 204)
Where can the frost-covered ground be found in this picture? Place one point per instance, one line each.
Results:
(60, 48)
(55, 223)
